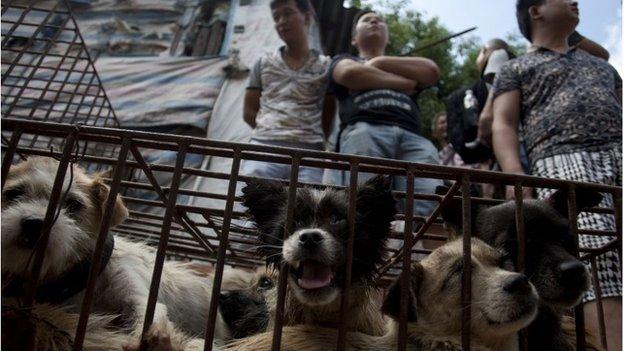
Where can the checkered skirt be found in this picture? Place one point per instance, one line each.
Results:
(596, 167)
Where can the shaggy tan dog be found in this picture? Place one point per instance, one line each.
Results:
(123, 283)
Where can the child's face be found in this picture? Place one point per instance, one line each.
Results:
(290, 23)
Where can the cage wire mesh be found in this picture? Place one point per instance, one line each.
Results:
(48, 75)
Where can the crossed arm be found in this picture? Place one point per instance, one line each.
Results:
(398, 73)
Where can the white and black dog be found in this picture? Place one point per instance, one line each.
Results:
(316, 252)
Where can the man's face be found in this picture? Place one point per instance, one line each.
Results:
(290, 23)
(440, 127)
(371, 28)
(560, 11)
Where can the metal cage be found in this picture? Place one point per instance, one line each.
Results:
(65, 114)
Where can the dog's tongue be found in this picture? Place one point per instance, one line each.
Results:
(315, 275)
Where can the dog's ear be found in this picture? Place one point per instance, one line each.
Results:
(392, 303)
(375, 202)
(451, 212)
(264, 199)
(584, 199)
(375, 210)
(99, 193)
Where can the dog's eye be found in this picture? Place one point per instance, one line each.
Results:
(72, 205)
(335, 219)
(13, 194)
(505, 262)
(265, 283)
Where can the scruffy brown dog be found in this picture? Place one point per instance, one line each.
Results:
(123, 283)
(502, 303)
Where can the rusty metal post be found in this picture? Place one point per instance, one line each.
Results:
(10, 152)
(344, 298)
(223, 244)
(407, 260)
(164, 239)
(467, 255)
(599, 308)
(579, 316)
(283, 272)
(55, 196)
(520, 234)
(85, 309)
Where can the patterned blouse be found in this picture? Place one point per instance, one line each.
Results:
(569, 102)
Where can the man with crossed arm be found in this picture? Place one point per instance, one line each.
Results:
(379, 115)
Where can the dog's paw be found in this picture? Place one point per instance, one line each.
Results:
(157, 338)
(158, 342)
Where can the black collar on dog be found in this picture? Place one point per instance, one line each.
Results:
(68, 284)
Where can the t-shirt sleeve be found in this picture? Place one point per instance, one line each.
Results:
(575, 38)
(333, 87)
(506, 80)
(255, 78)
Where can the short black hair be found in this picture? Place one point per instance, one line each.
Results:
(357, 17)
(302, 5)
(524, 19)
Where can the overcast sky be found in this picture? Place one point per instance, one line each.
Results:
(601, 20)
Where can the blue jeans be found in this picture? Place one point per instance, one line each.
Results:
(263, 169)
(386, 141)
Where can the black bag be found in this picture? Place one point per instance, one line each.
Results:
(461, 129)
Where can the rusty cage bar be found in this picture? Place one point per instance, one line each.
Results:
(53, 104)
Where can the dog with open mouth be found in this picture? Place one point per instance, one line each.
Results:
(560, 278)
(122, 287)
(502, 303)
(315, 253)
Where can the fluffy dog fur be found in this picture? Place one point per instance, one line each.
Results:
(503, 303)
(54, 329)
(123, 285)
(315, 253)
(560, 279)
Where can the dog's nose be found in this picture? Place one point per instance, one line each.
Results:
(31, 231)
(310, 239)
(573, 273)
(518, 284)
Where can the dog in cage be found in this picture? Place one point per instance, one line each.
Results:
(559, 277)
(315, 254)
(123, 283)
(503, 303)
